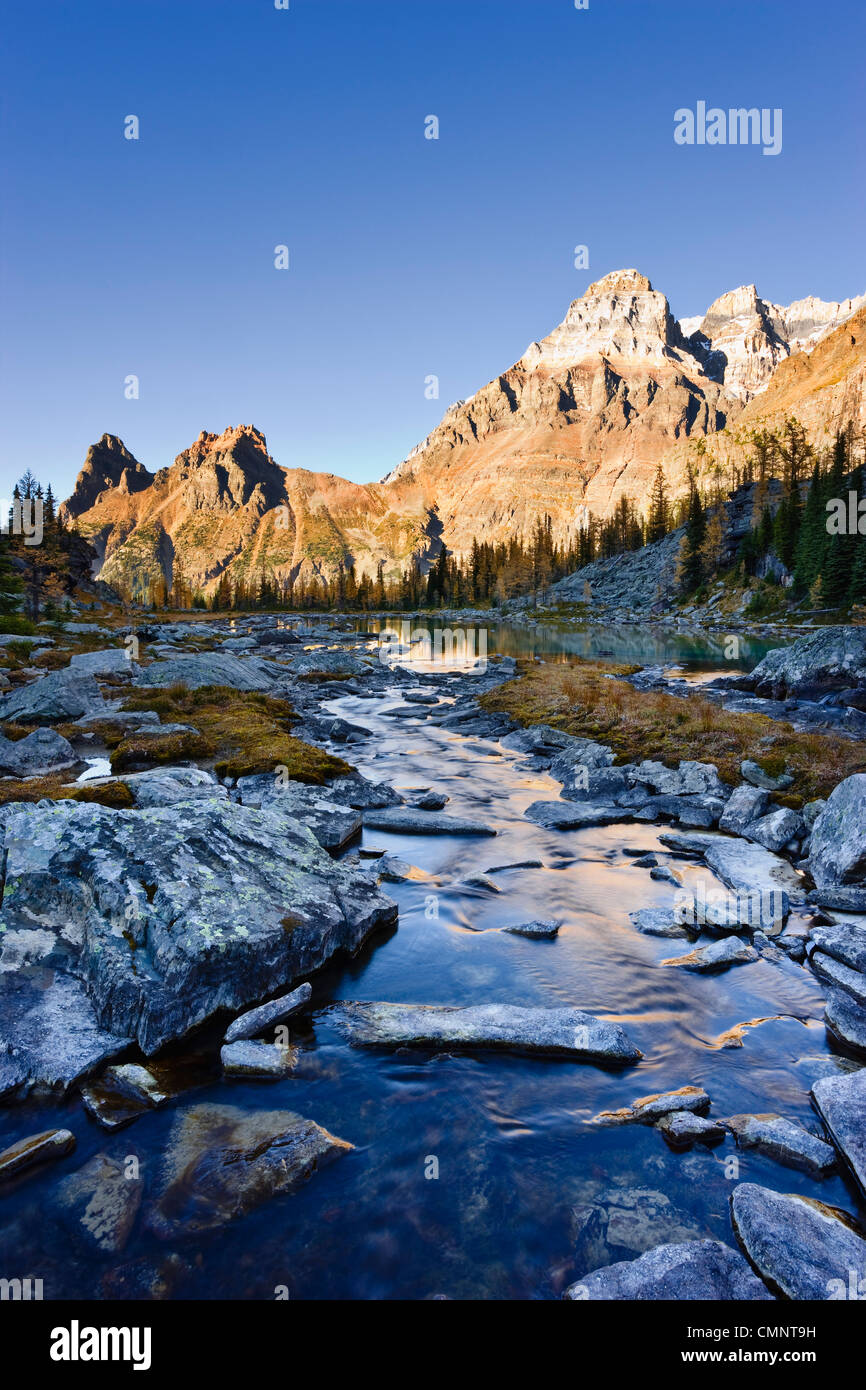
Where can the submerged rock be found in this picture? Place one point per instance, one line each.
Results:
(696, 1269)
(841, 1103)
(222, 1163)
(102, 1200)
(801, 1247)
(785, 1141)
(565, 1031)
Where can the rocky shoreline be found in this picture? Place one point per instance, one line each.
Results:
(200, 908)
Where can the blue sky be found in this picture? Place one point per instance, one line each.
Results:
(409, 257)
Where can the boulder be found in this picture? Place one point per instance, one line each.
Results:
(831, 658)
(333, 825)
(785, 1141)
(846, 1019)
(745, 805)
(154, 920)
(837, 849)
(775, 830)
(53, 699)
(41, 752)
(649, 1109)
(841, 1102)
(800, 1247)
(695, 1270)
(198, 669)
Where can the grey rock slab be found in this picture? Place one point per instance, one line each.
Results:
(393, 869)
(406, 821)
(166, 916)
(222, 1162)
(362, 794)
(841, 1103)
(831, 658)
(36, 1149)
(846, 1019)
(112, 661)
(164, 786)
(705, 1270)
(785, 1141)
(837, 848)
(199, 669)
(559, 1031)
(717, 956)
(648, 1109)
(256, 1021)
(48, 1023)
(800, 1247)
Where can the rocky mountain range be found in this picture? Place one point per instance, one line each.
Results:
(583, 418)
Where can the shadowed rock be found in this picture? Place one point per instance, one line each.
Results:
(802, 1248)
(784, 1141)
(697, 1269)
(841, 1102)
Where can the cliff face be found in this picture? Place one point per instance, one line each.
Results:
(582, 419)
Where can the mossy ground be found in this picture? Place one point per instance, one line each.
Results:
(583, 700)
(238, 732)
(116, 794)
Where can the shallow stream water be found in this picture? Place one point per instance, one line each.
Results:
(512, 1137)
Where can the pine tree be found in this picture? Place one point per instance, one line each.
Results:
(657, 523)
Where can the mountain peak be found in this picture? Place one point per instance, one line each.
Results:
(619, 282)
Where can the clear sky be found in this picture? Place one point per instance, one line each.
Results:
(408, 257)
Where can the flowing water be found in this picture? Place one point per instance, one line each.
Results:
(466, 1168)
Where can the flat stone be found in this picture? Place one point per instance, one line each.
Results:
(841, 1103)
(36, 1149)
(561, 815)
(559, 1031)
(50, 1023)
(257, 1061)
(658, 921)
(681, 1128)
(717, 956)
(534, 928)
(256, 1021)
(222, 1162)
(785, 1141)
(649, 1109)
(832, 972)
(843, 941)
(410, 822)
(800, 1247)
(362, 794)
(198, 669)
(695, 1270)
